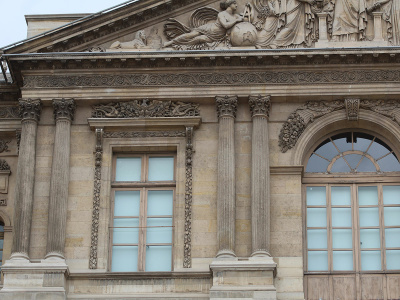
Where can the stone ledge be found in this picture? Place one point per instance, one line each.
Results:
(248, 265)
(286, 170)
(140, 275)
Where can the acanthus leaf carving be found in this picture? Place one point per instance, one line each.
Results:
(4, 146)
(30, 109)
(145, 109)
(352, 109)
(9, 112)
(187, 260)
(226, 106)
(260, 105)
(64, 108)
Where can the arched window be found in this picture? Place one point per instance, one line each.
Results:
(352, 215)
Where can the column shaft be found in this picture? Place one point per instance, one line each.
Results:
(260, 177)
(30, 113)
(226, 195)
(63, 111)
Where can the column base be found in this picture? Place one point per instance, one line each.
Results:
(252, 278)
(46, 280)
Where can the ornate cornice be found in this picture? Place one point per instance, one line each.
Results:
(307, 113)
(145, 109)
(227, 78)
(30, 109)
(64, 109)
(260, 105)
(226, 106)
(9, 112)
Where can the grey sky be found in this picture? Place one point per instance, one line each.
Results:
(12, 20)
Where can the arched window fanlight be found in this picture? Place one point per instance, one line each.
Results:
(353, 152)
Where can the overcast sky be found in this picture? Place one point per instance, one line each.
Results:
(12, 20)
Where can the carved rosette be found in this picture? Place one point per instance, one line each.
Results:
(226, 106)
(64, 109)
(30, 109)
(187, 260)
(260, 105)
(96, 199)
(352, 109)
(4, 165)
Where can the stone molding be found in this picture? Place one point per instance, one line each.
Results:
(142, 134)
(286, 170)
(30, 109)
(226, 106)
(64, 109)
(9, 112)
(352, 109)
(311, 110)
(187, 251)
(260, 105)
(215, 79)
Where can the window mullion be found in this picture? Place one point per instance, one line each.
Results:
(356, 228)
(382, 226)
(142, 236)
(329, 227)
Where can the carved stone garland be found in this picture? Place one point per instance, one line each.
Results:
(187, 259)
(307, 113)
(96, 199)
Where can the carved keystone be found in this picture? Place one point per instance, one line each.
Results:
(352, 109)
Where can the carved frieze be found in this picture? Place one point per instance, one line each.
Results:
(64, 108)
(352, 109)
(307, 113)
(4, 146)
(260, 105)
(216, 79)
(30, 109)
(9, 112)
(226, 106)
(145, 109)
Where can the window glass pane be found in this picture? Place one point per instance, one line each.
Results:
(389, 164)
(393, 259)
(369, 216)
(353, 160)
(362, 144)
(317, 260)
(159, 203)
(1, 255)
(316, 164)
(366, 165)
(342, 144)
(341, 195)
(328, 151)
(126, 235)
(392, 237)
(370, 260)
(368, 195)
(340, 166)
(128, 169)
(342, 239)
(158, 258)
(160, 234)
(317, 239)
(370, 238)
(377, 150)
(316, 217)
(391, 194)
(342, 260)
(127, 203)
(341, 217)
(1, 227)
(316, 195)
(161, 168)
(124, 259)
(1, 244)
(392, 216)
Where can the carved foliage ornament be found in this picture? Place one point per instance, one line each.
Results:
(352, 109)
(145, 109)
(226, 106)
(9, 112)
(64, 109)
(260, 105)
(30, 109)
(4, 165)
(4, 146)
(307, 113)
(187, 260)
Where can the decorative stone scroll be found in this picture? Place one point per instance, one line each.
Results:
(30, 109)
(187, 258)
(352, 109)
(9, 112)
(64, 108)
(4, 165)
(260, 105)
(226, 106)
(307, 113)
(146, 109)
(96, 199)
(4, 146)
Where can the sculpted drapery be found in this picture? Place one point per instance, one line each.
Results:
(392, 17)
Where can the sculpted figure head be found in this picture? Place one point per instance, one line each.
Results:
(225, 4)
(140, 35)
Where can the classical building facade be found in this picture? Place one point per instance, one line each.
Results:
(203, 150)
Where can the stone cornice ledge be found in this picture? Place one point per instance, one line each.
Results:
(243, 265)
(141, 275)
(286, 170)
(144, 123)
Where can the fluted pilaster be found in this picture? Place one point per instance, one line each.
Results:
(64, 110)
(260, 176)
(226, 198)
(29, 110)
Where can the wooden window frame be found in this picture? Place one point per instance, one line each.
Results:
(144, 186)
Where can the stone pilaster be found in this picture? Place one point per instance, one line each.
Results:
(226, 198)
(64, 110)
(29, 110)
(260, 177)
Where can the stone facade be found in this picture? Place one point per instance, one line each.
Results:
(241, 107)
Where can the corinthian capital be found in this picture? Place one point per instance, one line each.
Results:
(64, 109)
(226, 106)
(30, 109)
(260, 105)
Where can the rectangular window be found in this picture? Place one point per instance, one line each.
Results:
(353, 227)
(143, 191)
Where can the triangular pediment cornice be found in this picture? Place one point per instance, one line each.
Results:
(105, 26)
